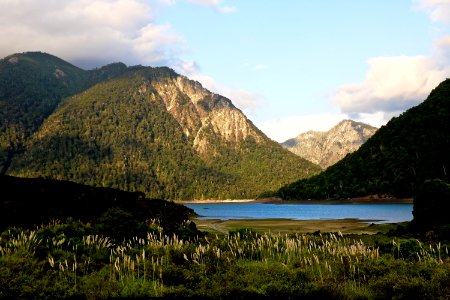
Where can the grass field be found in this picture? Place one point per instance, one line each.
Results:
(293, 226)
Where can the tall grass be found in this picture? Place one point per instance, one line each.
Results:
(144, 262)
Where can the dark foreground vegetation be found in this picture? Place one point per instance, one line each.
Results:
(69, 260)
(29, 202)
(64, 240)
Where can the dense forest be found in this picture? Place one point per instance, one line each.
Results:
(32, 85)
(127, 133)
(396, 161)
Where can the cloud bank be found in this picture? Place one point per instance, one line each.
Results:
(87, 32)
(439, 10)
(394, 84)
(91, 33)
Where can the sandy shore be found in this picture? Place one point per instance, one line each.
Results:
(215, 201)
(362, 200)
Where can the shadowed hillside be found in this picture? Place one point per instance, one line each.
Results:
(34, 201)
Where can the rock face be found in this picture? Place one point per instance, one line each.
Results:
(327, 148)
(202, 114)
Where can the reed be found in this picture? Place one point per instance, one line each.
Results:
(143, 262)
(23, 242)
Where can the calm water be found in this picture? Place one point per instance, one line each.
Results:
(374, 213)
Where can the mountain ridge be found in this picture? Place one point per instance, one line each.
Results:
(325, 148)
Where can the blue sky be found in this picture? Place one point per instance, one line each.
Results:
(290, 65)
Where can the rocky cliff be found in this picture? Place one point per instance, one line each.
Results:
(327, 148)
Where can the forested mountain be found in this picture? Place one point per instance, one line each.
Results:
(32, 84)
(395, 161)
(328, 147)
(152, 130)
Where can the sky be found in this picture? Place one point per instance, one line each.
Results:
(289, 65)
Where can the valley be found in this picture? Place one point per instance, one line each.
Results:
(100, 167)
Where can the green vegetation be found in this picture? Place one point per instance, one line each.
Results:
(62, 260)
(395, 161)
(120, 134)
(101, 242)
(289, 226)
(32, 85)
(431, 205)
(116, 244)
(31, 202)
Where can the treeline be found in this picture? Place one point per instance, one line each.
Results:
(396, 161)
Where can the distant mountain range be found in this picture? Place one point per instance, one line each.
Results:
(327, 148)
(395, 161)
(133, 128)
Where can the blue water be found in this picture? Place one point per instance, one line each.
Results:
(373, 213)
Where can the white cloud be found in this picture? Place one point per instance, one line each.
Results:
(286, 128)
(376, 119)
(245, 100)
(439, 10)
(216, 4)
(289, 127)
(260, 67)
(167, 2)
(88, 32)
(257, 67)
(394, 84)
(91, 33)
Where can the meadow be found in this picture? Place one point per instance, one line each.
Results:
(65, 260)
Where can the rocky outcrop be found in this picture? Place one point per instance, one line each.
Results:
(327, 148)
(203, 116)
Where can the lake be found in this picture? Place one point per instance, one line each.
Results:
(373, 213)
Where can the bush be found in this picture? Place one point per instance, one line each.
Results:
(119, 225)
(432, 204)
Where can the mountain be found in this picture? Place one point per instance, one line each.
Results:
(152, 130)
(327, 148)
(32, 85)
(395, 161)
